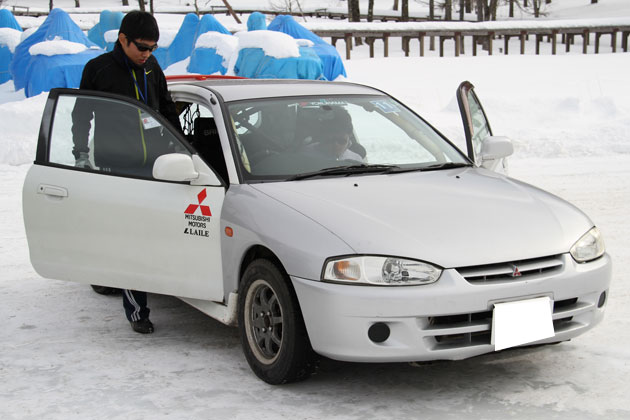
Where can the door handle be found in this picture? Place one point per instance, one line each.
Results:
(52, 190)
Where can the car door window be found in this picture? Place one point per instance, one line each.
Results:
(480, 126)
(476, 125)
(200, 128)
(109, 135)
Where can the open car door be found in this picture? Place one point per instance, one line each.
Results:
(483, 148)
(117, 219)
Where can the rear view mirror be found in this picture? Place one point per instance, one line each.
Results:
(174, 167)
(493, 149)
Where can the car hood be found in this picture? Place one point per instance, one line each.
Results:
(451, 218)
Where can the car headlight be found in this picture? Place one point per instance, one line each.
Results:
(588, 247)
(383, 271)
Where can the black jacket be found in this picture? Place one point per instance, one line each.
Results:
(119, 139)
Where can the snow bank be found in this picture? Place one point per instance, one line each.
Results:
(166, 37)
(10, 38)
(20, 125)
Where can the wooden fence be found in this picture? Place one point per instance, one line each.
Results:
(486, 33)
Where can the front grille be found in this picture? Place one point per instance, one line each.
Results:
(465, 330)
(511, 271)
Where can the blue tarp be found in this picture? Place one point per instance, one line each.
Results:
(5, 59)
(256, 22)
(209, 23)
(182, 44)
(41, 73)
(7, 20)
(253, 63)
(333, 66)
(206, 61)
(6, 56)
(108, 21)
(63, 70)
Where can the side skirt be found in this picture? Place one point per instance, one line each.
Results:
(225, 314)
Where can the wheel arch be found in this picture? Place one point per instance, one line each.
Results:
(260, 251)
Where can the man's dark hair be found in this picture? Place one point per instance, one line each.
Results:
(140, 25)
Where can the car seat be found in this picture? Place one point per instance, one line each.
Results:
(207, 142)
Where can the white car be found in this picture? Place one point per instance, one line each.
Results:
(322, 218)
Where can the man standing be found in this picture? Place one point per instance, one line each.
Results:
(128, 70)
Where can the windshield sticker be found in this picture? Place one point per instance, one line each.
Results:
(323, 102)
(197, 225)
(385, 106)
(148, 122)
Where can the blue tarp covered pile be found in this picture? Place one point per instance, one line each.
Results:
(42, 72)
(8, 21)
(274, 55)
(256, 22)
(108, 21)
(212, 53)
(9, 24)
(333, 66)
(184, 42)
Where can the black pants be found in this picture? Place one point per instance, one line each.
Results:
(135, 304)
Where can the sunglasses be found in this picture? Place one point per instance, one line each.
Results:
(144, 47)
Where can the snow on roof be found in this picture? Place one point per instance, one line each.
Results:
(56, 47)
(274, 44)
(10, 37)
(225, 45)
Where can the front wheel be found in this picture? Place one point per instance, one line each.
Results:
(271, 326)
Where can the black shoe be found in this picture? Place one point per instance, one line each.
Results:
(144, 326)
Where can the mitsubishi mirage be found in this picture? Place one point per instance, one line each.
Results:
(321, 218)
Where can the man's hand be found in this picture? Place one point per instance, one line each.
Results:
(83, 161)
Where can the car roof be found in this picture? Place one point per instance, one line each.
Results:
(236, 89)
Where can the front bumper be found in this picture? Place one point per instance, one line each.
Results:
(448, 320)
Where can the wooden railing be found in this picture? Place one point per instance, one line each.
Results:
(483, 32)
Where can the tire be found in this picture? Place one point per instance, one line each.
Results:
(272, 330)
(104, 290)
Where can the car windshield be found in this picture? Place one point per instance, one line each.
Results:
(298, 138)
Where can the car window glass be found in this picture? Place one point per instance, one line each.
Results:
(108, 135)
(480, 126)
(289, 136)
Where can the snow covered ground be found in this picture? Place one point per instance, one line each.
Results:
(68, 353)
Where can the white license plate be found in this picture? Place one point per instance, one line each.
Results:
(521, 322)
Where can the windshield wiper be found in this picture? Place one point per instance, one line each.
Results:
(436, 167)
(346, 171)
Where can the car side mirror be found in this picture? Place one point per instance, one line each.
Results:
(493, 149)
(174, 167)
